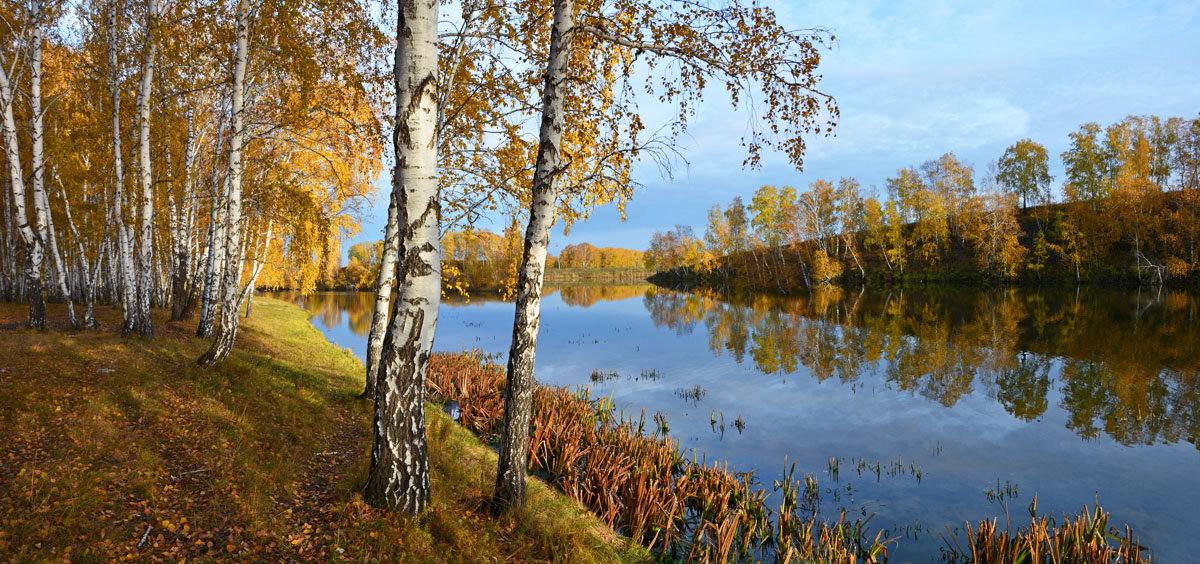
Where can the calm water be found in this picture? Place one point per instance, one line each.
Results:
(963, 400)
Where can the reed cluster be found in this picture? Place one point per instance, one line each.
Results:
(1085, 538)
(638, 481)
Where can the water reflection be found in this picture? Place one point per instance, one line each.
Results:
(359, 306)
(1071, 395)
(1129, 370)
(588, 295)
(1128, 364)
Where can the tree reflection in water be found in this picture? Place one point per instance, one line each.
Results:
(1126, 364)
(588, 295)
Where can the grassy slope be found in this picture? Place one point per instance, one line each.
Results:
(259, 460)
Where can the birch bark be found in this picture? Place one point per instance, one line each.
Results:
(124, 235)
(180, 293)
(29, 237)
(259, 261)
(383, 297)
(227, 328)
(214, 259)
(399, 472)
(38, 155)
(8, 271)
(89, 289)
(518, 389)
(143, 325)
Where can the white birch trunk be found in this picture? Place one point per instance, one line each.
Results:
(89, 289)
(383, 298)
(183, 214)
(226, 332)
(113, 287)
(143, 324)
(259, 261)
(192, 241)
(215, 260)
(8, 271)
(38, 154)
(124, 235)
(29, 237)
(518, 390)
(399, 472)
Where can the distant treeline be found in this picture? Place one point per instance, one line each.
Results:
(1129, 212)
(475, 260)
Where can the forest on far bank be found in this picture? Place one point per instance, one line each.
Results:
(1128, 213)
(475, 259)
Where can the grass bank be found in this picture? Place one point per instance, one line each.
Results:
(124, 449)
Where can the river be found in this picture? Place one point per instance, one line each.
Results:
(924, 408)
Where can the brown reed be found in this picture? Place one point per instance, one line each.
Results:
(1083, 538)
(641, 484)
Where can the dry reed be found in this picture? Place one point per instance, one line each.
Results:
(642, 485)
(1083, 538)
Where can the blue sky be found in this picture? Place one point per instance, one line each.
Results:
(916, 80)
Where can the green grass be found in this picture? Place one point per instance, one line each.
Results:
(258, 460)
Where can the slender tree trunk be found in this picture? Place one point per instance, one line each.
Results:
(63, 279)
(383, 297)
(89, 319)
(110, 264)
(38, 155)
(227, 329)
(399, 473)
(124, 234)
(215, 259)
(193, 243)
(29, 237)
(143, 324)
(803, 267)
(852, 248)
(8, 264)
(180, 291)
(518, 389)
(161, 276)
(7, 249)
(178, 269)
(1137, 256)
(259, 260)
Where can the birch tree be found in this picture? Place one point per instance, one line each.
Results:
(518, 389)
(133, 245)
(184, 218)
(399, 474)
(1024, 170)
(383, 294)
(124, 235)
(142, 324)
(37, 134)
(227, 328)
(592, 54)
(32, 237)
(484, 94)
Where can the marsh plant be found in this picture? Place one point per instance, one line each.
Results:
(692, 395)
(684, 508)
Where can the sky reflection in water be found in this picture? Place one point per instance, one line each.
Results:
(1070, 395)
